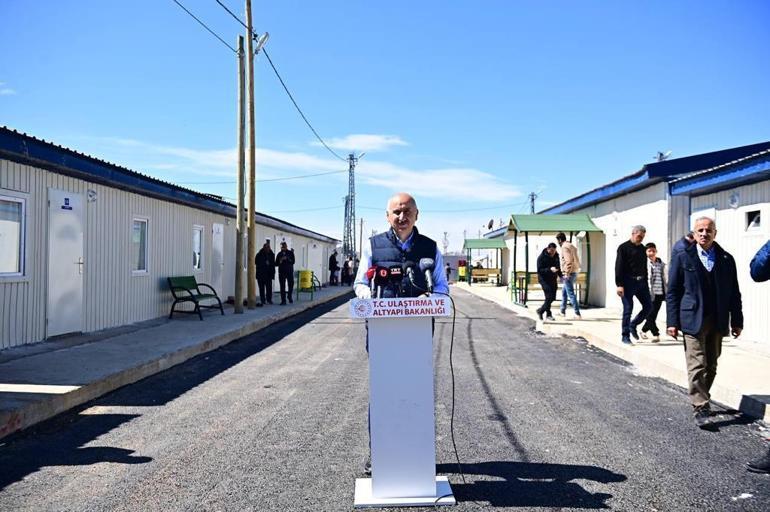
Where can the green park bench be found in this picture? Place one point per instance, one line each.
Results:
(187, 289)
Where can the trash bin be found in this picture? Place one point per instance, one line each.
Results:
(305, 279)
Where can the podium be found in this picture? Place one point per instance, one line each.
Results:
(401, 408)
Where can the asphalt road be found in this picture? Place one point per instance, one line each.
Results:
(277, 421)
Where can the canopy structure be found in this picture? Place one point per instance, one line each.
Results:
(569, 224)
(482, 243)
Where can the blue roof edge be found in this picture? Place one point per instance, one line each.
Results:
(655, 172)
(29, 150)
(741, 173)
(39, 153)
(622, 186)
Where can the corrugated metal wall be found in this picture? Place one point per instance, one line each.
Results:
(732, 207)
(615, 218)
(113, 296)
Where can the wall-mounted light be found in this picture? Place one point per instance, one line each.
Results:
(91, 195)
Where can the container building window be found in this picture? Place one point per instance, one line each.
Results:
(12, 236)
(753, 220)
(139, 246)
(197, 247)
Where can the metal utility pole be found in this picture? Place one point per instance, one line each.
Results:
(240, 227)
(532, 197)
(445, 241)
(349, 231)
(252, 273)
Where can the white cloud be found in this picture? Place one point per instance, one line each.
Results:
(364, 142)
(458, 184)
(6, 91)
(464, 184)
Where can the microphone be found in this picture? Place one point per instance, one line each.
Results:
(409, 270)
(396, 276)
(381, 279)
(426, 265)
(370, 277)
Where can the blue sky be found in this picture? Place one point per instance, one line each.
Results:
(468, 105)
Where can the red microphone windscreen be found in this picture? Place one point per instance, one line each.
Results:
(370, 272)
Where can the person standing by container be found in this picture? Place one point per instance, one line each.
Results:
(333, 268)
(265, 262)
(285, 262)
(547, 273)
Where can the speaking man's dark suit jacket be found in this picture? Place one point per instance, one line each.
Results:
(684, 299)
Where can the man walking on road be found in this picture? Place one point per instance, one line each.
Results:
(631, 280)
(547, 272)
(704, 302)
(570, 265)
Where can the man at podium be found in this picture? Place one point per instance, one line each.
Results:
(401, 246)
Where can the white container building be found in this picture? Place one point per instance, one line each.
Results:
(87, 245)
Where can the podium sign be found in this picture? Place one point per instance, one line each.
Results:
(401, 408)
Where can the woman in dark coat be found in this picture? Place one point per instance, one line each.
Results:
(547, 273)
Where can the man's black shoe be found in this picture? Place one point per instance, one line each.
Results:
(291, 301)
(634, 334)
(259, 304)
(703, 418)
(283, 303)
(626, 340)
(761, 465)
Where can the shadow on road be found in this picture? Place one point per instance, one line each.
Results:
(21, 460)
(528, 484)
(60, 440)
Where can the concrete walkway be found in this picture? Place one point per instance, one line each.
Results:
(743, 376)
(42, 380)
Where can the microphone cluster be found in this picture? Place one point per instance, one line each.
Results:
(393, 276)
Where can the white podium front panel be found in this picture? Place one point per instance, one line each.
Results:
(401, 407)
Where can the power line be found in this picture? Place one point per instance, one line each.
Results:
(258, 181)
(285, 88)
(206, 27)
(236, 18)
(299, 109)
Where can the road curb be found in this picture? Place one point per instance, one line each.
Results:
(51, 405)
(730, 397)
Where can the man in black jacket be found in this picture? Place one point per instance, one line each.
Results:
(265, 262)
(631, 281)
(547, 272)
(704, 302)
(285, 262)
(333, 268)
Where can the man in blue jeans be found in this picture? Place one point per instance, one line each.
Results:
(570, 265)
(631, 280)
